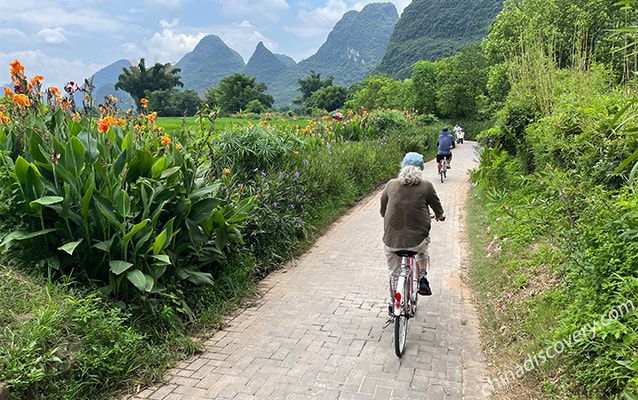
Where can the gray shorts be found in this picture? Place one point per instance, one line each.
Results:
(394, 260)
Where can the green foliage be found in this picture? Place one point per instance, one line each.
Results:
(119, 209)
(379, 91)
(579, 135)
(174, 103)
(138, 81)
(328, 98)
(235, 92)
(431, 29)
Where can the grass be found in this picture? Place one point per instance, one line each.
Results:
(172, 124)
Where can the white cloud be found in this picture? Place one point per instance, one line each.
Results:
(52, 36)
(170, 46)
(257, 10)
(319, 21)
(243, 38)
(56, 70)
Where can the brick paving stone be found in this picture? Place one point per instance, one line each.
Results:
(318, 331)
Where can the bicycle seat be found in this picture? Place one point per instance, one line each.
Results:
(405, 253)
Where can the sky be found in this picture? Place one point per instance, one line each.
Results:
(70, 40)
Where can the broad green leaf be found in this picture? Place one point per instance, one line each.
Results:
(29, 179)
(205, 191)
(45, 201)
(106, 208)
(168, 172)
(136, 228)
(120, 162)
(158, 167)
(23, 235)
(123, 203)
(119, 266)
(104, 245)
(128, 141)
(70, 247)
(89, 186)
(162, 259)
(159, 242)
(72, 156)
(195, 277)
(90, 144)
(242, 210)
(140, 280)
(203, 209)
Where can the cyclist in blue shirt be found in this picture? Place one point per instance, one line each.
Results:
(445, 146)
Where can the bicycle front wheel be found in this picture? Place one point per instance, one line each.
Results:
(401, 320)
(400, 333)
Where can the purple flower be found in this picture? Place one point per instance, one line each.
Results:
(263, 173)
(292, 206)
(296, 174)
(281, 175)
(275, 204)
(300, 222)
(256, 169)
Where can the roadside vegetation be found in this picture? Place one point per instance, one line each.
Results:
(126, 236)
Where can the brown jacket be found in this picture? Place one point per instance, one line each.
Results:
(405, 212)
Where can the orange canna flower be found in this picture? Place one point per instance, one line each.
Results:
(102, 126)
(166, 139)
(8, 91)
(16, 68)
(4, 119)
(151, 117)
(54, 91)
(36, 79)
(177, 146)
(144, 102)
(21, 99)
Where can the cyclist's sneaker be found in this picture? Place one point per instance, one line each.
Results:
(424, 287)
(390, 309)
(448, 166)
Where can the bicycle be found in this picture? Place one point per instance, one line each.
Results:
(405, 298)
(443, 164)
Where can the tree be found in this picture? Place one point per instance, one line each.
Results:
(310, 84)
(327, 98)
(382, 91)
(139, 82)
(174, 103)
(424, 81)
(235, 91)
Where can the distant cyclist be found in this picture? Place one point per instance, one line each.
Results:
(405, 208)
(445, 146)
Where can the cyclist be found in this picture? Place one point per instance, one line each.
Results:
(445, 146)
(405, 208)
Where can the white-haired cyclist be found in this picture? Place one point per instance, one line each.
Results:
(405, 207)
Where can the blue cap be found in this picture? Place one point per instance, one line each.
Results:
(412, 158)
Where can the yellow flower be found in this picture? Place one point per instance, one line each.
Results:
(166, 139)
(177, 146)
(226, 171)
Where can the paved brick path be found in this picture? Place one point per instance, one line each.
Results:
(317, 331)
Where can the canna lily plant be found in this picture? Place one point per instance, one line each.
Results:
(108, 198)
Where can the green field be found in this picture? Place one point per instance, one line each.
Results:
(172, 124)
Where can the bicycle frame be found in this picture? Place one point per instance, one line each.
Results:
(403, 292)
